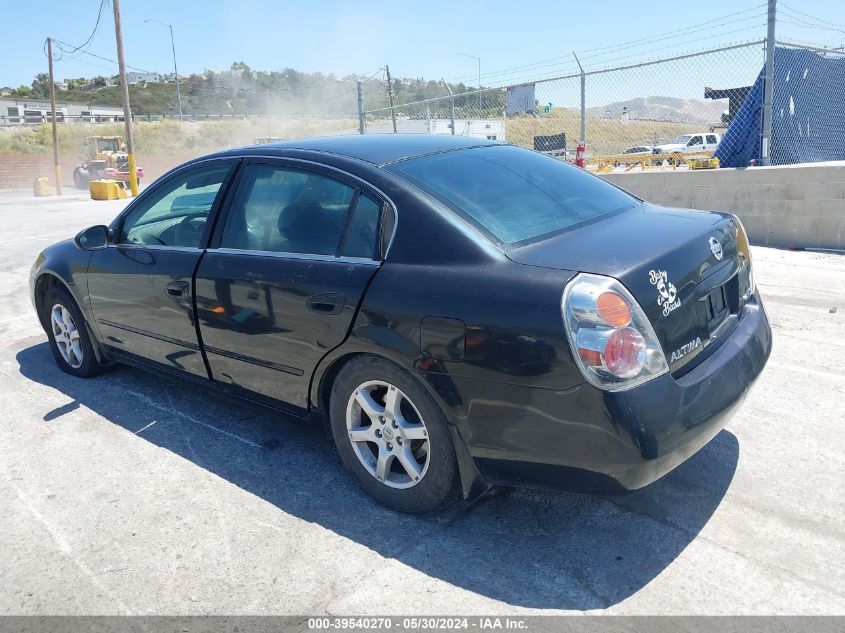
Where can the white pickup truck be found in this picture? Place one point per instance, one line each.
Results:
(689, 143)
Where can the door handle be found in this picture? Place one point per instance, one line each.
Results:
(176, 288)
(327, 303)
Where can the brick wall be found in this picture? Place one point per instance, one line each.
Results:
(18, 171)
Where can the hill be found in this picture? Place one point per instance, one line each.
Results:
(240, 90)
(662, 109)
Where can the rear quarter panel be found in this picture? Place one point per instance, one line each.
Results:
(512, 332)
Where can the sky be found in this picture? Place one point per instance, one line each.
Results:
(417, 39)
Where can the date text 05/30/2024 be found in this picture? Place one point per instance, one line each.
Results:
(416, 623)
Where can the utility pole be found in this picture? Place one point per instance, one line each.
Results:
(451, 107)
(477, 59)
(124, 90)
(57, 169)
(175, 69)
(361, 120)
(768, 87)
(583, 101)
(176, 72)
(390, 97)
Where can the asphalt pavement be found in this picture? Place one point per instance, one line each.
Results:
(132, 493)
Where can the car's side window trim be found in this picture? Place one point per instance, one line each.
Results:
(353, 206)
(117, 225)
(361, 187)
(305, 256)
(222, 214)
(387, 230)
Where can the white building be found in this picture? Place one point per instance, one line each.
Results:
(134, 77)
(474, 128)
(24, 111)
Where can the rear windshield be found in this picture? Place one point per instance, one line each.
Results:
(515, 194)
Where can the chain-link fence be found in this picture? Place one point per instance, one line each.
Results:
(679, 112)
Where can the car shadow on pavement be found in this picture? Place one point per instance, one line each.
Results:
(538, 549)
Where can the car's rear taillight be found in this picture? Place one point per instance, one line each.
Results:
(612, 341)
(746, 271)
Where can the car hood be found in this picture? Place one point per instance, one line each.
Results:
(657, 253)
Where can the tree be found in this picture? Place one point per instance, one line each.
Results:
(41, 86)
(21, 91)
(241, 68)
(99, 81)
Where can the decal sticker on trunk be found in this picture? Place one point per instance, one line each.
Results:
(667, 294)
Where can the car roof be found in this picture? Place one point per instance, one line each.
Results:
(378, 149)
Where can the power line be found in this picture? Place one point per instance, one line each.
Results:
(805, 25)
(671, 37)
(519, 69)
(515, 68)
(799, 22)
(671, 46)
(703, 26)
(62, 52)
(807, 15)
(641, 55)
(92, 64)
(93, 32)
(106, 59)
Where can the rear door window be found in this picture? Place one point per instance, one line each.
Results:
(362, 232)
(287, 210)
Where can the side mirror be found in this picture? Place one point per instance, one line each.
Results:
(93, 238)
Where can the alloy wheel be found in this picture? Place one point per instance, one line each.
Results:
(388, 434)
(66, 336)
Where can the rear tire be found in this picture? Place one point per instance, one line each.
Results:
(68, 335)
(393, 437)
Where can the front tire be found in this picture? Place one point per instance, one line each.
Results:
(393, 437)
(68, 334)
(80, 178)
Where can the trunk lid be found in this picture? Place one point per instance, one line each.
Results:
(667, 259)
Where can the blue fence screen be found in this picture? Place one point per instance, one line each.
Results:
(808, 113)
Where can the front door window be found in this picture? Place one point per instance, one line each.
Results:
(176, 214)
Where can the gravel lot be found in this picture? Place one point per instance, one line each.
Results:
(131, 493)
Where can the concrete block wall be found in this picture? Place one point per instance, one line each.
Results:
(796, 205)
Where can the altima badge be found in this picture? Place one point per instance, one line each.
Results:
(678, 354)
(716, 248)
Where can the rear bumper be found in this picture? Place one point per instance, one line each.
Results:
(589, 440)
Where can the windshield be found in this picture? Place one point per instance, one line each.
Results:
(514, 193)
(682, 140)
(107, 145)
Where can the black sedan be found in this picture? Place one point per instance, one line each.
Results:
(460, 313)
